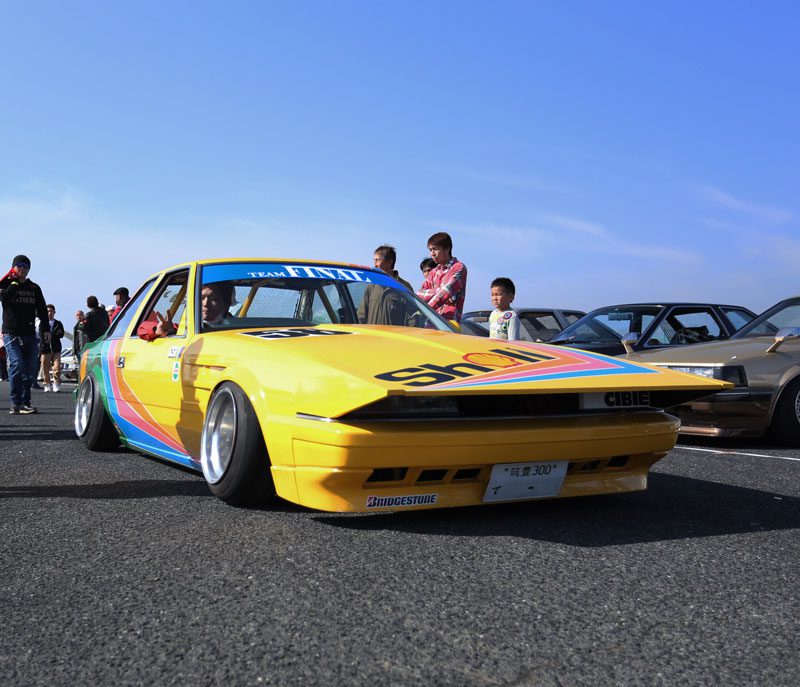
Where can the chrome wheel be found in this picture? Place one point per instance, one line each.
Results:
(797, 406)
(219, 435)
(83, 407)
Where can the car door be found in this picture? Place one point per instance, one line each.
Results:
(150, 395)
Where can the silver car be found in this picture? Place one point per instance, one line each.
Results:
(762, 360)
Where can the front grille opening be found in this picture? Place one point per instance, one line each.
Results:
(466, 473)
(591, 465)
(431, 476)
(618, 461)
(388, 475)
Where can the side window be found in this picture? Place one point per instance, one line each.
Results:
(169, 304)
(326, 307)
(571, 317)
(686, 326)
(541, 326)
(120, 325)
(738, 317)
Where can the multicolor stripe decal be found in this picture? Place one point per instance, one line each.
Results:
(553, 362)
(138, 426)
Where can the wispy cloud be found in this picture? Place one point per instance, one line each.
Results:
(594, 237)
(559, 234)
(763, 213)
(577, 225)
(511, 180)
(20, 213)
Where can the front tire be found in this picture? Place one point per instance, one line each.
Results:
(92, 424)
(233, 454)
(785, 425)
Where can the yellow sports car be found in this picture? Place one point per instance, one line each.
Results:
(334, 387)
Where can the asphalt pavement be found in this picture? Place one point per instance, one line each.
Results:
(117, 569)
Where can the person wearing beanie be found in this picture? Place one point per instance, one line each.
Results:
(22, 302)
(121, 297)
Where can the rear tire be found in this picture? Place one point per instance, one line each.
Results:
(785, 425)
(233, 454)
(92, 424)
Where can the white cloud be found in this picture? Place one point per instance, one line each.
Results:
(762, 213)
(577, 225)
(511, 180)
(561, 236)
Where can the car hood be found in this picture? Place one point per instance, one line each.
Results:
(714, 352)
(338, 368)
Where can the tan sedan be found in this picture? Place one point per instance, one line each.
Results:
(762, 360)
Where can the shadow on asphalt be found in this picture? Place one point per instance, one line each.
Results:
(36, 434)
(672, 508)
(126, 489)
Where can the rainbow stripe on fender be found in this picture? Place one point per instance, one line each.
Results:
(137, 425)
(552, 362)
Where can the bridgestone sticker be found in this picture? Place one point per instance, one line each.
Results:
(395, 501)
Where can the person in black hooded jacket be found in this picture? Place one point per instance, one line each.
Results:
(22, 301)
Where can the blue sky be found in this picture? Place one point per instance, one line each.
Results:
(594, 152)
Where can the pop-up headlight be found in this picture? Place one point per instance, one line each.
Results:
(726, 373)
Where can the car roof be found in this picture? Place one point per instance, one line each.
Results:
(669, 304)
(525, 307)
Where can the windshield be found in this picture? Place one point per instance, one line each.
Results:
(268, 294)
(609, 324)
(768, 323)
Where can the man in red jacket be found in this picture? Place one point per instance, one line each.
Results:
(445, 287)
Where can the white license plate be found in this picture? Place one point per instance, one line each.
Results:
(511, 481)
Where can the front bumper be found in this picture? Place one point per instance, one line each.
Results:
(734, 413)
(449, 463)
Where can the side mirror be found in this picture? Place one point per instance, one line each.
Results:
(455, 325)
(785, 334)
(629, 341)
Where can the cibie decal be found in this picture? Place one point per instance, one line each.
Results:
(176, 371)
(176, 351)
(521, 363)
(293, 333)
(395, 501)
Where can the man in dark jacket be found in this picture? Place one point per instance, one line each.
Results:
(22, 302)
(79, 339)
(50, 352)
(96, 322)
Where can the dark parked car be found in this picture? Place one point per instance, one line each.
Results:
(762, 360)
(538, 324)
(647, 326)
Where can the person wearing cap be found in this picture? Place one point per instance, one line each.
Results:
(121, 297)
(22, 301)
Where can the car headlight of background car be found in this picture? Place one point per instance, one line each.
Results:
(726, 373)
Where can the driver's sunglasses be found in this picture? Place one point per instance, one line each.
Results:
(22, 266)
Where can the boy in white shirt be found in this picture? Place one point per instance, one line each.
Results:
(503, 322)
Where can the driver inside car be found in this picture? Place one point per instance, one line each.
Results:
(215, 300)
